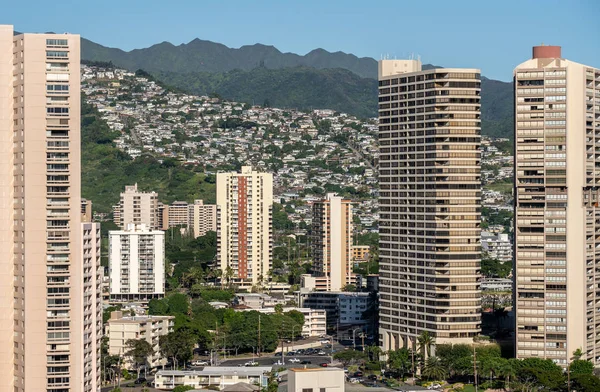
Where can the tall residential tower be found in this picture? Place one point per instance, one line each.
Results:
(46, 342)
(430, 203)
(244, 225)
(331, 241)
(557, 219)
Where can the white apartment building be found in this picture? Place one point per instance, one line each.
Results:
(331, 241)
(136, 264)
(137, 207)
(557, 219)
(430, 203)
(46, 342)
(497, 246)
(244, 225)
(121, 328)
(220, 377)
(202, 218)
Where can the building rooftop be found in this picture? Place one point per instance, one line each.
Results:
(218, 370)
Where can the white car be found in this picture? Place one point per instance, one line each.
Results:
(199, 363)
(251, 363)
(294, 360)
(324, 341)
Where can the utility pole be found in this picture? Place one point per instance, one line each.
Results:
(475, 368)
(412, 352)
(258, 348)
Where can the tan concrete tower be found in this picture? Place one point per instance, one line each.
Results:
(430, 203)
(43, 346)
(557, 220)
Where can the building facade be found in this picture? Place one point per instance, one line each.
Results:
(136, 264)
(557, 232)
(316, 380)
(93, 276)
(360, 253)
(202, 218)
(42, 342)
(121, 328)
(430, 203)
(178, 214)
(244, 225)
(215, 377)
(497, 246)
(331, 240)
(138, 208)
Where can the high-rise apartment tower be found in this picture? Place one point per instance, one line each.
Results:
(331, 241)
(430, 203)
(244, 225)
(557, 218)
(45, 342)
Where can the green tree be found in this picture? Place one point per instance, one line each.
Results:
(400, 361)
(178, 303)
(434, 369)
(585, 383)
(138, 351)
(158, 307)
(580, 366)
(177, 345)
(348, 357)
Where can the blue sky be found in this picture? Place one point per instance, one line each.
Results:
(491, 35)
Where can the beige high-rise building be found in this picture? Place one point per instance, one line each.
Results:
(244, 225)
(178, 214)
(202, 218)
(557, 219)
(331, 241)
(430, 203)
(46, 344)
(138, 208)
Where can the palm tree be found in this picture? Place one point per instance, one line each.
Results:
(434, 370)
(229, 273)
(577, 354)
(425, 342)
(506, 369)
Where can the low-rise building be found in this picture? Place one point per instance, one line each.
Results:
(121, 328)
(202, 218)
(497, 246)
(315, 320)
(342, 308)
(220, 377)
(316, 380)
(360, 253)
(497, 284)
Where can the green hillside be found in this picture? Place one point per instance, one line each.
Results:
(105, 170)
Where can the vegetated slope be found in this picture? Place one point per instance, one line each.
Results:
(206, 56)
(298, 87)
(105, 170)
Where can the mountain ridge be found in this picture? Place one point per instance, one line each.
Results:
(262, 73)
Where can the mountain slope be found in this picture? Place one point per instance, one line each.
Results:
(259, 73)
(206, 56)
(297, 87)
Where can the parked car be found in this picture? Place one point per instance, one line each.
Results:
(323, 364)
(278, 354)
(199, 363)
(300, 351)
(251, 363)
(322, 353)
(291, 353)
(372, 377)
(305, 362)
(140, 380)
(294, 360)
(324, 341)
(358, 374)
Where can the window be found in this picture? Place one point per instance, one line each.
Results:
(307, 390)
(57, 42)
(56, 54)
